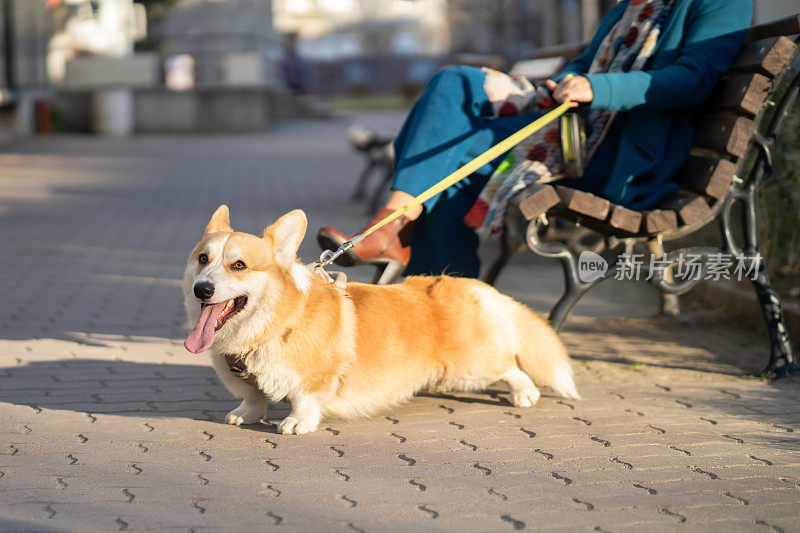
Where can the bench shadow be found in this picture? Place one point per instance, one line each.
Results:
(700, 342)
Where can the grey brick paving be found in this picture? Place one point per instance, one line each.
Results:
(107, 424)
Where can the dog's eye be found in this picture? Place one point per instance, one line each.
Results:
(238, 265)
(202, 259)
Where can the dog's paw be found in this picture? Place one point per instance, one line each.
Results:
(291, 425)
(244, 415)
(525, 398)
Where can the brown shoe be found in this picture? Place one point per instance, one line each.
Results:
(388, 248)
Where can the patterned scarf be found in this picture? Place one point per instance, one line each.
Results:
(626, 48)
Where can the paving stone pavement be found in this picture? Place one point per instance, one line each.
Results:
(107, 423)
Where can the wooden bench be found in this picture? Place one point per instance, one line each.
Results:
(731, 159)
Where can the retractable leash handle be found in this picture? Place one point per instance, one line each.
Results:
(486, 157)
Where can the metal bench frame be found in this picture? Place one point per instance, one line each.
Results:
(532, 215)
(378, 151)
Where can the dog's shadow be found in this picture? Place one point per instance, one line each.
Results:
(487, 397)
(123, 388)
(149, 390)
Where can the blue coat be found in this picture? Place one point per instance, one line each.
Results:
(653, 132)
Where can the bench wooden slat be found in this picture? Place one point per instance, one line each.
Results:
(767, 56)
(707, 176)
(537, 199)
(583, 202)
(725, 134)
(625, 219)
(744, 94)
(786, 26)
(690, 207)
(659, 221)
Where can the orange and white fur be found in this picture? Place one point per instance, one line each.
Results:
(351, 353)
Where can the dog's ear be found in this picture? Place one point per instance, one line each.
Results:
(287, 233)
(220, 220)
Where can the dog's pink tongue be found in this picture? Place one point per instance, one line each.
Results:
(201, 337)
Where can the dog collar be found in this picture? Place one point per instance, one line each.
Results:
(237, 366)
(338, 279)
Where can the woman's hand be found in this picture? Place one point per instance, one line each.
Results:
(576, 89)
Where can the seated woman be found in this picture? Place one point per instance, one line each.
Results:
(641, 80)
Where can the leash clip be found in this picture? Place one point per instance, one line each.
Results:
(328, 256)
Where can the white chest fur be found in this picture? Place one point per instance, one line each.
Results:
(275, 379)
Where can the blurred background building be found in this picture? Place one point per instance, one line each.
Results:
(367, 46)
(231, 42)
(117, 66)
(25, 28)
(334, 29)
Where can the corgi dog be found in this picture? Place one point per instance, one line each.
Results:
(355, 350)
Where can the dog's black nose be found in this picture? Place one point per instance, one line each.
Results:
(203, 290)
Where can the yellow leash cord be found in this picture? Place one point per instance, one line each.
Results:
(486, 157)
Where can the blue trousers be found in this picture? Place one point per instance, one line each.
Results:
(445, 130)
